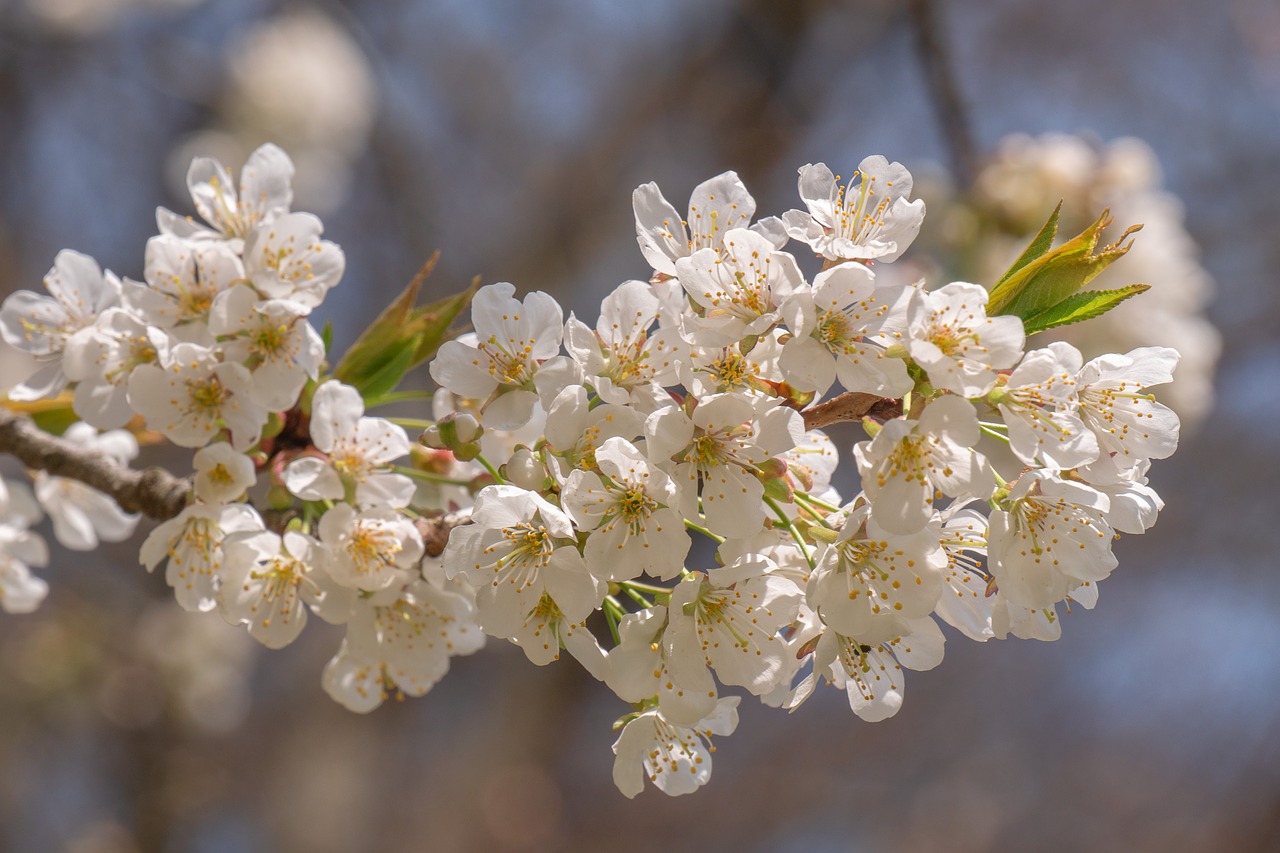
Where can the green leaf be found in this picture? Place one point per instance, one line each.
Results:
(402, 337)
(397, 397)
(326, 336)
(1081, 306)
(1036, 248)
(1047, 279)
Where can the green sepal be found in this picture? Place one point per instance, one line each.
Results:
(1081, 306)
(1043, 277)
(403, 336)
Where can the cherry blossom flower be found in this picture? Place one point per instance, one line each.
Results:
(834, 328)
(675, 758)
(868, 577)
(82, 516)
(222, 474)
(867, 220)
(958, 345)
(715, 453)
(100, 358)
(716, 207)
(358, 450)
(502, 358)
(183, 280)
(268, 581)
(286, 259)
(369, 549)
(739, 288)
(273, 339)
(194, 396)
(41, 325)
(1037, 404)
(729, 619)
(400, 640)
(191, 543)
(20, 549)
(1051, 539)
(265, 192)
(910, 462)
(1114, 402)
(518, 548)
(629, 510)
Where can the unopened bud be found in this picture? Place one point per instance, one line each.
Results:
(525, 470)
(273, 426)
(279, 499)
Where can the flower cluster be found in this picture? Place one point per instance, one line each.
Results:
(651, 493)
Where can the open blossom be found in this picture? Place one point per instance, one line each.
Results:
(716, 207)
(641, 668)
(20, 549)
(41, 325)
(273, 339)
(82, 516)
(100, 359)
(738, 288)
(194, 396)
(1052, 539)
(629, 510)
(728, 620)
(626, 362)
(400, 639)
(868, 578)
(287, 259)
(1037, 402)
(265, 192)
(958, 345)
(719, 369)
(358, 449)
(675, 758)
(715, 453)
(910, 461)
(965, 604)
(369, 549)
(222, 474)
(834, 327)
(518, 548)
(1114, 402)
(867, 220)
(871, 674)
(268, 582)
(192, 544)
(511, 339)
(574, 430)
(183, 280)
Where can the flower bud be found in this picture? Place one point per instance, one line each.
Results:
(525, 470)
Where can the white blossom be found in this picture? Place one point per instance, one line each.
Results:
(79, 291)
(183, 280)
(369, 549)
(265, 192)
(716, 206)
(192, 397)
(20, 549)
(222, 474)
(273, 339)
(100, 359)
(358, 451)
(629, 508)
(287, 259)
(1037, 403)
(268, 581)
(675, 758)
(1114, 402)
(867, 220)
(192, 544)
(910, 462)
(82, 516)
(958, 345)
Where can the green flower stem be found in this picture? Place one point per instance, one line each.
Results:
(795, 534)
(636, 596)
(613, 613)
(429, 477)
(994, 434)
(412, 423)
(693, 525)
(488, 466)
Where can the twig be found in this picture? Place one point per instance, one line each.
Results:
(953, 119)
(435, 531)
(851, 406)
(152, 491)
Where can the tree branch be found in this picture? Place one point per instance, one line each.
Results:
(153, 492)
(953, 120)
(851, 406)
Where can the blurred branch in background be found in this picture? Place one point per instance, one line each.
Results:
(934, 54)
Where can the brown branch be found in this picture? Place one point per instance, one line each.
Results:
(953, 120)
(435, 531)
(153, 492)
(851, 406)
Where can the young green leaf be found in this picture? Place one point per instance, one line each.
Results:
(1047, 280)
(1081, 306)
(1036, 248)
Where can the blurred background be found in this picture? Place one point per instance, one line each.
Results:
(509, 135)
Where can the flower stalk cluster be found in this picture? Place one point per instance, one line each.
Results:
(568, 468)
